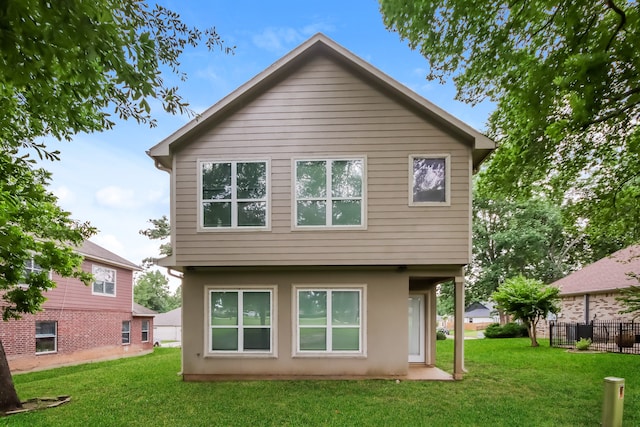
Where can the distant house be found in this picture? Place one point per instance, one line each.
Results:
(590, 293)
(168, 326)
(81, 323)
(482, 313)
(318, 207)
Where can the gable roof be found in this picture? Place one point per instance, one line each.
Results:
(170, 318)
(142, 311)
(320, 44)
(608, 274)
(97, 253)
(478, 309)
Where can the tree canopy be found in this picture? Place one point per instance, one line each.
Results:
(66, 70)
(564, 79)
(70, 69)
(528, 300)
(513, 237)
(152, 291)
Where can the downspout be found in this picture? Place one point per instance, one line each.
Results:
(586, 309)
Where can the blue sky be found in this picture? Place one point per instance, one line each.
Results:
(107, 178)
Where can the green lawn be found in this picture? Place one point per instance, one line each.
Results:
(508, 384)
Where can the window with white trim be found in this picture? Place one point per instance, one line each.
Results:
(46, 337)
(329, 320)
(240, 320)
(330, 193)
(145, 331)
(126, 332)
(430, 179)
(234, 194)
(105, 281)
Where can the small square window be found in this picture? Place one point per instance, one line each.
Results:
(429, 180)
(105, 281)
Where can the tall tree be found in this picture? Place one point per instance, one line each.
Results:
(152, 291)
(32, 227)
(564, 79)
(513, 237)
(528, 300)
(65, 70)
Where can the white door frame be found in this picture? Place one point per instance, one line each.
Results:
(419, 330)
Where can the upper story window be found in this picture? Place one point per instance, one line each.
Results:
(330, 193)
(234, 194)
(430, 180)
(105, 281)
(31, 267)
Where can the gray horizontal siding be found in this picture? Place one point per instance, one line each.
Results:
(322, 110)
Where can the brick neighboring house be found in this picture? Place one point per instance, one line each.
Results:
(82, 323)
(590, 293)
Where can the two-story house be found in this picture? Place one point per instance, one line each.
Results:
(79, 322)
(314, 211)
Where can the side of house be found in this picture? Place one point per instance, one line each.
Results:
(589, 294)
(315, 211)
(168, 327)
(80, 323)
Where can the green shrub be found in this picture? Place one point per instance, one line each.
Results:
(583, 344)
(509, 330)
(440, 335)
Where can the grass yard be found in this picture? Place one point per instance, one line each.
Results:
(508, 384)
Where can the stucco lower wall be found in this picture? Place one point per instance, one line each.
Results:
(386, 325)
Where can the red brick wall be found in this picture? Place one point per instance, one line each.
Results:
(81, 335)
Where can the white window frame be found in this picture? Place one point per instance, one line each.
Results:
(128, 332)
(447, 178)
(272, 353)
(361, 353)
(328, 198)
(54, 336)
(30, 267)
(144, 330)
(94, 269)
(234, 199)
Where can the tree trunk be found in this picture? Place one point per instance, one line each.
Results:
(8, 397)
(532, 334)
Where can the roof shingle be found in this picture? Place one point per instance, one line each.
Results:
(608, 274)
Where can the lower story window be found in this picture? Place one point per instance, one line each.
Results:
(126, 332)
(46, 337)
(145, 331)
(329, 321)
(240, 321)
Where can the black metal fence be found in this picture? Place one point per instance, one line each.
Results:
(611, 336)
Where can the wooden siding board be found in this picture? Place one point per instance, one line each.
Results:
(323, 110)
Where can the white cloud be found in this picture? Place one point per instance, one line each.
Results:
(278, 40)
(64, 194)
(117, 197)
